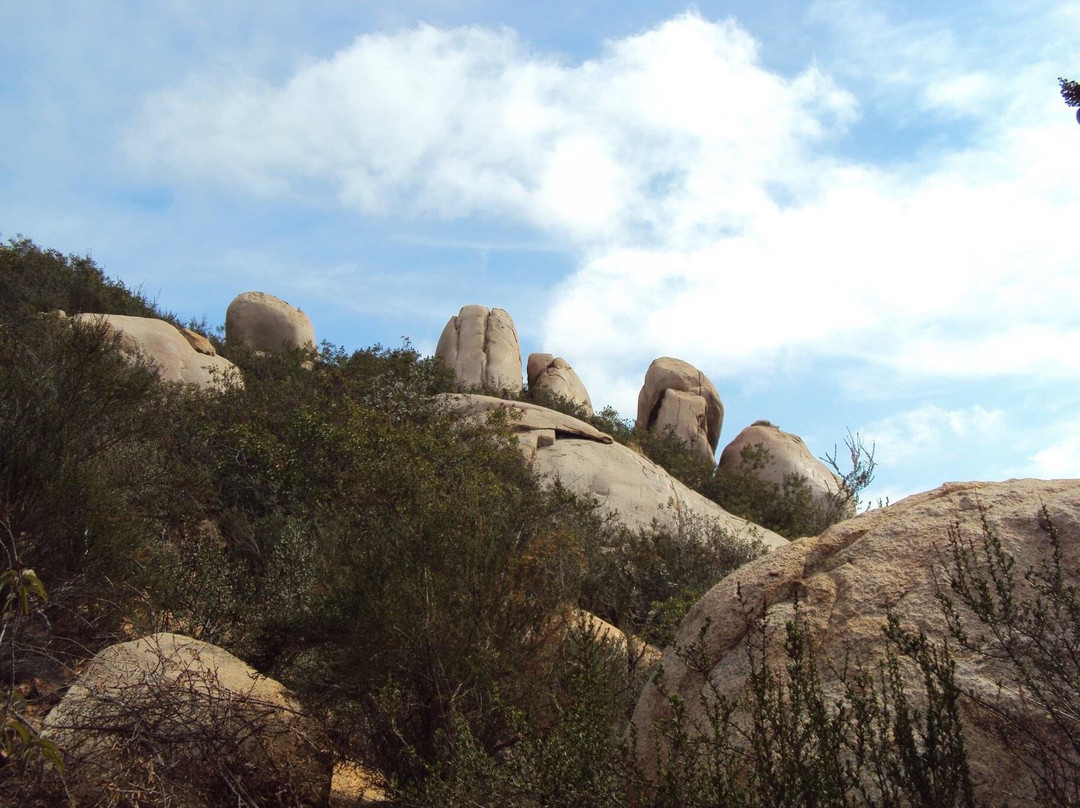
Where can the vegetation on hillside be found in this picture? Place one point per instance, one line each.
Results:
(403, 572)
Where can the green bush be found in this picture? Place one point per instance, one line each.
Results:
(1028, 624)
(785, 741)
(33, 280)
(82, 431)
(646, 581)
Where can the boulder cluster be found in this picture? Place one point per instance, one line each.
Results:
(254, 320)
(481, 346)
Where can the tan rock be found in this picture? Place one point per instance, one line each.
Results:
(532, 424)
(199, 342)
(665, 401)
(168, 350)
(177, 716)
(589, 463)
(263, 322)
(554, 375)
(787, 455)
(637, 490)
(482, 349)
(603, 630)
(847, 579)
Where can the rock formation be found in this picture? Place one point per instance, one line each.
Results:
(589, 463)
(169, 350)
(787, 455)
(554, 375)
(846, 579)
(199, 342)
(482, 349)
(177, 716)
(263, 322)
(678, 396)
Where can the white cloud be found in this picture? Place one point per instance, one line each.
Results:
(717, 218)
(929, 430)
(671, 134)
(1061, 459)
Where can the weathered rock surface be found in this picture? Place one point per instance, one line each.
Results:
(787, 455)
(181, 712)
(533, 425)
(199, 342)
(554, 374)
(668, 400)
(482, 349)
(171, 352)
(263, 322)
(846, 579)
(589, 463)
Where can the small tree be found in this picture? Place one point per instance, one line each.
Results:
(1070, 91)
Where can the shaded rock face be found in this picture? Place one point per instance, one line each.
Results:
(199, 709)
(171, 351)
(787, 455)
(678, 396)
(589, 463)
(263, 322)
(554, 374)
(482, 349)
(846, 579)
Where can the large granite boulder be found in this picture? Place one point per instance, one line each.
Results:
(181, 719)
(481, 347)
(171, 352)
(553, 374)
(895, 559)
(263, 322)
(679, 397)
(589, 463)
(787, 456)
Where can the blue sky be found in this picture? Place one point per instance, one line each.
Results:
(850, 214)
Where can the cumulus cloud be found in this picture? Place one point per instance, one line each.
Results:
(1061, 459)
(930, 429)
(666, 135)
(711, 201)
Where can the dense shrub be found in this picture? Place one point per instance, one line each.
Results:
(786, 741)
(1028, 623)
(646, 581)
(83, 434)
(33, 280)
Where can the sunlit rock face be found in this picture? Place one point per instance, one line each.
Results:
(787, 455)
(263, 322)
(554, 375)
(481, 347)
(590, 463)
(679, 397)
(168, 350)
(893, 560)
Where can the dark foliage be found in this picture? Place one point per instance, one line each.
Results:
(33, 280)
(1028, 623)
(1070, 91)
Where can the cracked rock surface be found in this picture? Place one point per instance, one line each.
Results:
(481, 347)
(678, 396)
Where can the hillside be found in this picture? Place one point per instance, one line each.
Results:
(422, 586)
